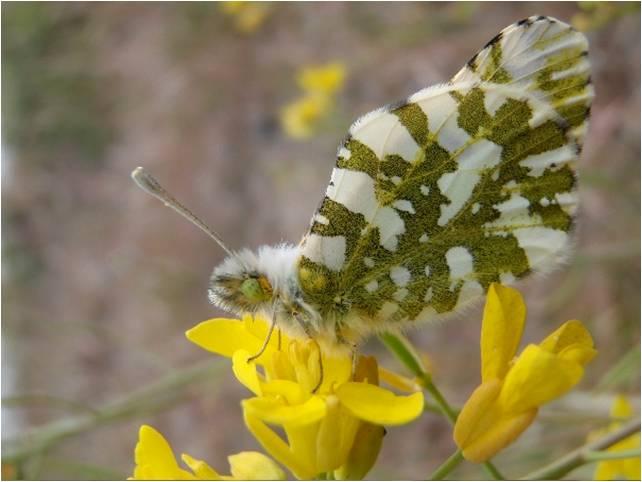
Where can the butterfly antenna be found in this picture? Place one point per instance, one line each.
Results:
(149, 184)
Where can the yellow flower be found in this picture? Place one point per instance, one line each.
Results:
(320, 84)
(619, 469)
(248, 15)
(334, 430)
(155, 460)
(512, 390)
(324, 79)
(300, 118)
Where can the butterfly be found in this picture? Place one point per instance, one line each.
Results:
(432, 199)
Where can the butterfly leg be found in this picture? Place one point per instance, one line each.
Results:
(267, 339)
(341, 340)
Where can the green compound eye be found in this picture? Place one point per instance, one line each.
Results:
(253, 291)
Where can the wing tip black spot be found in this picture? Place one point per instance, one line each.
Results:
(471, 62)
(494, 40)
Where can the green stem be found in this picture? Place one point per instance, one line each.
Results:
(582, 455)
(492, 471)
(439, 399)
(49, 400)
(400, 347)
(448, 466)
(622, 454)
(405, 352)
(83, 470)
(153, 397)
(431, 407)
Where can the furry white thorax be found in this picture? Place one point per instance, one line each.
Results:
(278, 265)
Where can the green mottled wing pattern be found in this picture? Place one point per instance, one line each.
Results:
(459, 186)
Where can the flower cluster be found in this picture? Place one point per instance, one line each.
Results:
(513, 388)
(323, 415)
(335, 429)
(320, 84)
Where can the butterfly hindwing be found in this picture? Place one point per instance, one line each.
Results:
(461, 185)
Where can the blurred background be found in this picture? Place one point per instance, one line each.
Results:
(100, 281)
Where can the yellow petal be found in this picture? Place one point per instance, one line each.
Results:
(200, 468)
(364, 453)
(476, 416)
(397, 381)
(290, 391)
(274, 411)
(620, 469)
(621, 408)
(499, 435)
(578, 353)
(483, 428)
(259, 327)
(325, 79)
(571, 340)
(502, 327)
(225, 336)
(377, 405)
(537, 377)
(335, 436)
(303, 443)
(279, 367)
(254, 466)
(302, 116)
(155, 459)
(277, 448)
(245, 371)
(311, 366)
(607, 471)
(336, 371)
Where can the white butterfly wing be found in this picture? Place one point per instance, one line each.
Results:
(460, 185)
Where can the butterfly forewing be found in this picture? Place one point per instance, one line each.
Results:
(461, 185)
(544, 56)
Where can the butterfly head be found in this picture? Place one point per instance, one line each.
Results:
(238, 284)
(251, 282)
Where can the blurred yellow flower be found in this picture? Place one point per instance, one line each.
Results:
(248, 15)
(324, 79)
(507, 400)
(320, 85)
(334, 431)
(619, 469)
(300, 118)
(155, 460)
